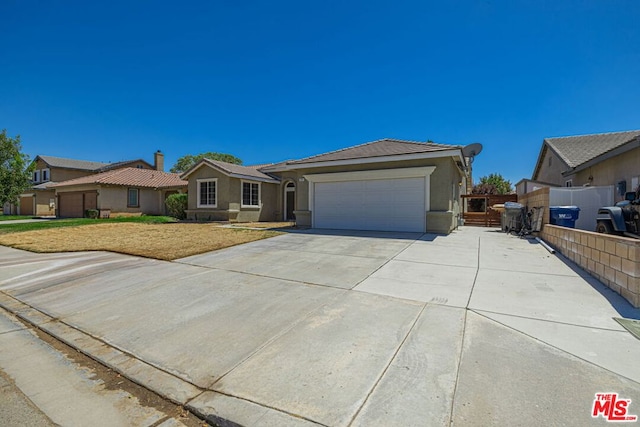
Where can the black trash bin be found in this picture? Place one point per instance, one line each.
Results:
(564, 216)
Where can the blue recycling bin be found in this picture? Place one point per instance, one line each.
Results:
(564, 216)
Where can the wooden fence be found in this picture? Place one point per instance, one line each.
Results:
(476, 208)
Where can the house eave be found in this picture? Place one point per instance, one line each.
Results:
(204, 162)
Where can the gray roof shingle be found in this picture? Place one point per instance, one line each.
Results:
(379, 148)
(60, 162)
(577, 150)
(233, 169)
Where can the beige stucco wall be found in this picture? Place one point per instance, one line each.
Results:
(115, 199)
(229, 198)
(622, 167)
(551, 174)
(444, 189)
(59, 174)
(141, 164)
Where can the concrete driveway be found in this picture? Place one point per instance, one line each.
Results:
(338, 328)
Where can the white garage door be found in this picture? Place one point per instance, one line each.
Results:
(379, 204)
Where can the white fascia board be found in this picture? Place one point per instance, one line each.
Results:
(254, 178)
(363, 161)
(371, 174)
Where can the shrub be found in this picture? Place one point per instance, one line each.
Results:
(91, 213)
(177, 205)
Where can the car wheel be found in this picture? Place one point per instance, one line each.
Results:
(604, 227)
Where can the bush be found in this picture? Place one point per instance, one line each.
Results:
(91, 213)
(177, 205)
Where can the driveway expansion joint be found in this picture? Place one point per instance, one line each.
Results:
(480, 312)
(388, 365)
(558, 348)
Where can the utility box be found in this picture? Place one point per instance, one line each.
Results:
(564, 216)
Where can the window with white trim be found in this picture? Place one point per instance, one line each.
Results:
(46, 175)
(133, 198)
(207, 189)
(36, 176)
(250, 194)
(568, 183)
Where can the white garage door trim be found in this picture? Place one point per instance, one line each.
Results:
(379, 174)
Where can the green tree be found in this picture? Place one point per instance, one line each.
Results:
(184, 163)
(493, 184)
(15, 171)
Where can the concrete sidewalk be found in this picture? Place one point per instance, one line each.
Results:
(24, 221)
(338, 328)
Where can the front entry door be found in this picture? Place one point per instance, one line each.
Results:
(289, 201)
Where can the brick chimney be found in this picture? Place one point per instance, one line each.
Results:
(158, 161)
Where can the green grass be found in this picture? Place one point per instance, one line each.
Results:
(74, 222)
(13, 217)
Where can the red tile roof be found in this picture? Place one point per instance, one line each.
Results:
(130, 177)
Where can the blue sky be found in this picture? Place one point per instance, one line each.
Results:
(275, 80)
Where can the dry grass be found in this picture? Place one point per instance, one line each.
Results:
(160, 241)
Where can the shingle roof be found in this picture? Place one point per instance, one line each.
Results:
(233, 169)
(131, 177)
(577, 150)
(121, 164)
(379, 148)
(44, 185)
(60, 162)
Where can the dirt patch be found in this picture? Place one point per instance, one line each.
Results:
(160, 241)
(266, 225)
(114, 381)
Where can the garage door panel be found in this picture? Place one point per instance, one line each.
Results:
(70, 205)
(388, 205)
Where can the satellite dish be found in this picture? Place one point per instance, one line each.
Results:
(472, 150)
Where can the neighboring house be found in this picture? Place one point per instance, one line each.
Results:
(122, 190)
(525, 186)
(389, 185)
(584, 160)
(40, 199)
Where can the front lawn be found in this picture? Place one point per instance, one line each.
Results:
(166, 241)
(74, 222)
(13, 217)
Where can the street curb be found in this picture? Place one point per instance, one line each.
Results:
(211, 406)
(160, 382)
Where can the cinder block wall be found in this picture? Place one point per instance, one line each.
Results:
(613, 260)
(535, 199)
